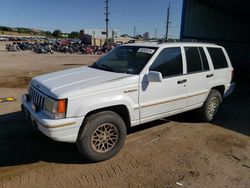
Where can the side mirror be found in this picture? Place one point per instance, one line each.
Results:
(154, 76)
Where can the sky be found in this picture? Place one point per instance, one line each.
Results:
(146, 15)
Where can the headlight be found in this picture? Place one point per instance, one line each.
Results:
(55, 109)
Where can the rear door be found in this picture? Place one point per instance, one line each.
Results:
(199, 76)
(222, 70)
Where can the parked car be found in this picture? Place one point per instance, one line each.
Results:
(12, 47)
(132, 84)
(3, 39)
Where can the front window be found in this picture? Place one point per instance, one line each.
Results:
(168, 62)
(125, 59)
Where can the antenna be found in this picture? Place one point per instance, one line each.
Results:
(168, 22)
(107, 19)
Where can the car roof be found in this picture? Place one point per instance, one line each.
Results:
(172, 44)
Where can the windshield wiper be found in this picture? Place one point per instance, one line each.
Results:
(107, 67)
(94, 65)
(102, 67)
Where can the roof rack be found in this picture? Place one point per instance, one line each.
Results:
(160, 41)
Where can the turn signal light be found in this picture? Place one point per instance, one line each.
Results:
(61, 106)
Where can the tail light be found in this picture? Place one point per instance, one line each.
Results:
(232, 75)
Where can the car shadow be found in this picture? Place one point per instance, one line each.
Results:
(21, 144)
(233, 115)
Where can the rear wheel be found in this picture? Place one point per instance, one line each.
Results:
(211, 106)
(102, 136)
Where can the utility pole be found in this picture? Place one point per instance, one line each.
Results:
(168, 22)
(107, 19)
(155, 32)
(134, 31)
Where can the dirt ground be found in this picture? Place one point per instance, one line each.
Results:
(176, 151)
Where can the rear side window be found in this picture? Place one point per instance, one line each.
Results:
(204, 59)
(168, 62)
(218, 58)
(194, 63)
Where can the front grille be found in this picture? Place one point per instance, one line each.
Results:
(37, 97)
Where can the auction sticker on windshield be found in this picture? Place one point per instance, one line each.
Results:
(146, 50)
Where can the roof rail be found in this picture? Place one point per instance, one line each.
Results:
(189, 40)
(160, 41)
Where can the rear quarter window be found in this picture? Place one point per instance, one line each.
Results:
(218, 58)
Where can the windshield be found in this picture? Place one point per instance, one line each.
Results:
(125, 59)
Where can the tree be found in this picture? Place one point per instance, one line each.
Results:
(24, 30)
(74, 34)
(48, 34)
(57, 33)
(4, 28)
(138, 37)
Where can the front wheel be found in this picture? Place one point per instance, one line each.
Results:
(211, 106)
(102, 136)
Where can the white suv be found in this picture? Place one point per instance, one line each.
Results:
(133, 84)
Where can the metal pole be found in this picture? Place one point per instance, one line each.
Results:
(134, 31)
(168, 22)
(155, 32)
(107, 19)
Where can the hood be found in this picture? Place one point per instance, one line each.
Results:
(61, 83)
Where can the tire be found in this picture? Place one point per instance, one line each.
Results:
(211, 106)
(101, 136)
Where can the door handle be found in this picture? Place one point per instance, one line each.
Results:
(210, 75)
(181, 81)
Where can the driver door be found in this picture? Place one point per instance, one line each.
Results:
(160, 99)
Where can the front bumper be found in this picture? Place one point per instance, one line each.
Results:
(63, 130)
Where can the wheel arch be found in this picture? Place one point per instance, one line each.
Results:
(121, 110)
(220, 89)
